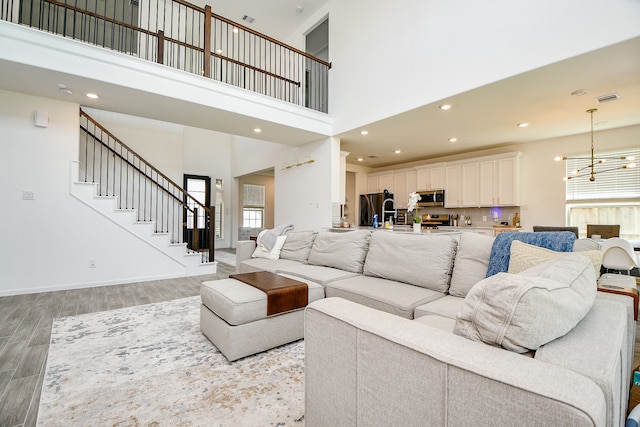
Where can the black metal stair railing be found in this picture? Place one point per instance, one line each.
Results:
(187, 37)
(120, 172)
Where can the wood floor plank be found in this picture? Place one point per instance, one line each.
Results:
(11, 355)
(32, 361)
(70, 305)
(42, 335)
(5, 377)
(25, 330)
(32, 413)
(16, 400)
(9, 326)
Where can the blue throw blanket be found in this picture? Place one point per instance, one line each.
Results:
(268, 239)
(559, 241)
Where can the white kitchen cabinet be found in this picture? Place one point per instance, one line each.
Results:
(430, 177)
(452, 195)
(461, 186)
(400, 189)
(508, 187)
(499, 181)
(411, 182)
(377, 183)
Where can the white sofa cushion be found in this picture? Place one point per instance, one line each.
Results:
(524, 256)
(471, 262)
(521, 312)
(262, 252)
(298, 245)
(345, 251)
(421, 260)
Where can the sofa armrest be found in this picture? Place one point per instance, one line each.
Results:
(244, 250)
(367, 367)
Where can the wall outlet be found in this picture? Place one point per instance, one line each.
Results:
(28, 195)
(92, 263)
(484, 218)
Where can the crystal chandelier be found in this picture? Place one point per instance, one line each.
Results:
(590, 169)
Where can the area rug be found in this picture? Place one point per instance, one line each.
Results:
(151, 366)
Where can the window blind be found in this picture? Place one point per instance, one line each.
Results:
(614, 184)
(253, 195)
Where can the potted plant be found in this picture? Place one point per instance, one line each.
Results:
(413, 203)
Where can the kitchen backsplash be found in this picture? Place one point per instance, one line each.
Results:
(480, 217)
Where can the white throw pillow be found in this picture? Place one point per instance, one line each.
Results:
(262, 252)
(524, 256)
(521, 312)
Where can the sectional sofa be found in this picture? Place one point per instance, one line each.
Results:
(412, 331)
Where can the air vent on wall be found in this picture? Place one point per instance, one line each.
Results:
(607, 98)
(248, 19)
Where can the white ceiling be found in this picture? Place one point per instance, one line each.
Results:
(487, 117)
(482, 118)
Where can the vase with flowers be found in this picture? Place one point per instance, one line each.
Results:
(411, 206)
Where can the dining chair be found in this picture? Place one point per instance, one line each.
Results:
(618, 254)
(543, 228)
(604, 231)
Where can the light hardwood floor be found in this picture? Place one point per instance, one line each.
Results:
(25, 330)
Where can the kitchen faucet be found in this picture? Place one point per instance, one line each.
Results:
(385, 211)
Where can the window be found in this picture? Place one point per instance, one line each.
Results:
(219, 206)
(613, 198)
(253, 206)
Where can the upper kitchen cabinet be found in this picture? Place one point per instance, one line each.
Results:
(461, 185)
(377, 183)
(499, 180)
(404, 182)
(430, 177)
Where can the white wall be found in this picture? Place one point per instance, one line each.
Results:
(389, 58)
(47, 242)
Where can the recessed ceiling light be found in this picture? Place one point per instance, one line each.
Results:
(397, 151)
(65, 90)
(257, 130)
(579, 92)
(364, 132)
(453, 139)
(360, 159)
(92, 96)
(445, 106)
(523, 125)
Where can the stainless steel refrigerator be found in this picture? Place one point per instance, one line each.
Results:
(371, 204)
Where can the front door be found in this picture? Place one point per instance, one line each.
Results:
(198, 187)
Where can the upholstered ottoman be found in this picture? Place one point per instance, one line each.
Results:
(233, 315)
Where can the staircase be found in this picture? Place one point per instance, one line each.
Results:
(121, 186)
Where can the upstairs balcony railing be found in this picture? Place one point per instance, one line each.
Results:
(187, 37)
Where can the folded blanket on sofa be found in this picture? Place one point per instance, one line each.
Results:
(268, 239)
(561, 241)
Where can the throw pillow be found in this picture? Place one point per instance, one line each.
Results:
(345, 251)
(521, 312)
(561, 241)
(524, 256)
(262, 252)
(298, 245)
(471, 262)
(419, 260)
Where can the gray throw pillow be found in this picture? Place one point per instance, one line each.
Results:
(417, 259)
(298, 245)
(345, 251)
(521, 312)
(471, 262)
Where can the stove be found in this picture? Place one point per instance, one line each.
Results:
(435, 220)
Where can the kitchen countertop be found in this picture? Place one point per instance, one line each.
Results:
(396, 229)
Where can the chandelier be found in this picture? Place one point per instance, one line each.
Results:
(590, 169)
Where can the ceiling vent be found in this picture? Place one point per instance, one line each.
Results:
(248, 19)
(608, 98)
(373, 156)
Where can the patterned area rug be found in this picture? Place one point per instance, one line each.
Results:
(151, 366)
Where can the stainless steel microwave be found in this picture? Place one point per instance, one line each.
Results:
(431, 198)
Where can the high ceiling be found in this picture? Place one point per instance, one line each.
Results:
(488, 116)
(482, 118)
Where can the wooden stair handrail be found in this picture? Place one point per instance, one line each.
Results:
(153, 168)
